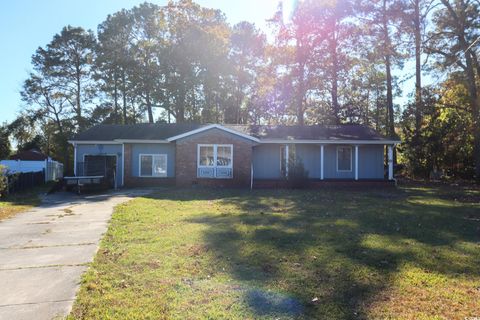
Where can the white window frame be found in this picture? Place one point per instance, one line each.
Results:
(351, 158)
(215, 148)
(152, 155)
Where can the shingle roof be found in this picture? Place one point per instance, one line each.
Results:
(141, 131)
(312, 132)
(29, 155)
(163, 131)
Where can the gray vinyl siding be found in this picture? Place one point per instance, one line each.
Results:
(266, 161)
(371, 162)
(98, 150)
(309, 154)
(330, 167)
(153, 148)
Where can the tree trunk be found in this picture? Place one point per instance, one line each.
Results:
(418, 70)
(124, 96)
(115, 97)
(377, 108)
(149, 107)
(180, 105)
(299, 98)
(299, 93)
(388, 67)
(474, 105)
(78, 100)
(333, 48)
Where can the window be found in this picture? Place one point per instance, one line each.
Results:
(344, 158)
(153, 165)
(207, 156)
(285, 160)
(215, 161)
(224, 156)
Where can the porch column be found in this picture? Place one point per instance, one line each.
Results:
(74, 159)
(321, 162)
(286, 160)
(390, 162)
(123, 164)
(356, 162)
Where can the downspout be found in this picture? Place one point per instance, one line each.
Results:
(251, 175)
(74, 159)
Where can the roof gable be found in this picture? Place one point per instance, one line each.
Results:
(212, 126)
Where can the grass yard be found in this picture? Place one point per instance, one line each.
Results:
(15, 203)
(410, 253)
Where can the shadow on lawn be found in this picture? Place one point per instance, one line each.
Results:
(340, 247)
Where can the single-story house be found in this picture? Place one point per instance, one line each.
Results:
(231, 155)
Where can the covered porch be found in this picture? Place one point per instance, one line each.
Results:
(333, 161)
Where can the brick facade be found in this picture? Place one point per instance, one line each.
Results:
(186, 159)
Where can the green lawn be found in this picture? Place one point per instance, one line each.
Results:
(410, 253)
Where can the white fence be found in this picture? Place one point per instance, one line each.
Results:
(53, 169)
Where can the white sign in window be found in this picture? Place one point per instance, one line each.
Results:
(344, 158)
(153, 165)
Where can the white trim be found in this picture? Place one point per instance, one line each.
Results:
(152, 155)
(321, 161)
(356, 162)
(212, 126)
(390, 162)
(351, 156)
(215, 147)
(140, 141)
(93, 142)
(286, 141)
(74, 159)
(123, 164)
(215, 155)
(271, 141)
(287, 156)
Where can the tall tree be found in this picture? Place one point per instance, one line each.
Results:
(69, 58)
(246, 58)
(114, 64)
(5, 147)
(383, 19)
(455, 41)
(147, 34)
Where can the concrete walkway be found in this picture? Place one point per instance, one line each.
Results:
(43, 252)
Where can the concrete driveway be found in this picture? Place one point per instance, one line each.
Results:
(43, 252)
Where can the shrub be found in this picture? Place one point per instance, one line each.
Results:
(297, 175)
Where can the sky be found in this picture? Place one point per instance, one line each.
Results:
(27, 24)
